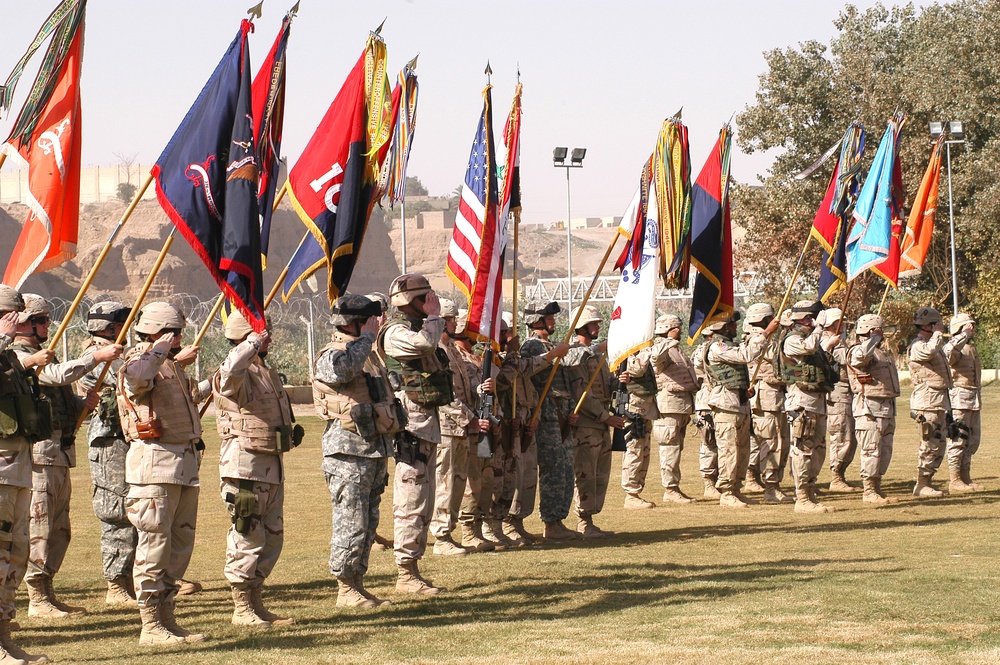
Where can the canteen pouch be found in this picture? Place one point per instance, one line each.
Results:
(149, 429)
(390, 417)
(363, 416)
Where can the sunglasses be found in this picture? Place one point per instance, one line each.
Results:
(40, 319)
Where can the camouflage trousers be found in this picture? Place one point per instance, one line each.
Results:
(450, 475)
(15, 506)
(932, 428)
(51, 489)
(635, 463)
(118, 536)
(413, 504)
(962, 448)
(843, 440)
(165, 517)
(250, 557)
(770, 432)
(732, 435)
(808, 447)
(527, 478)
(708, 451)
(874, 437)
(478, 497)
(555, 471)
(356, 486)
(668, 434)
(505, 461)
(592, 468)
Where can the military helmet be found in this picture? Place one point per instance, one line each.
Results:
(449, 310)
(34, 305)
(237, 326)
(868, 323)
(157, 316)
(106, 314)
(588, 315)
(10, 300)
(406, 287)
(461, 320)
(719, 326)
(536, 310)
(504, 325)
(352, 307)
(803, 309)
(786, 318)
(665, 323)
(829, 316)
(926, 316)
(958, 322)
(381, 299)
(757, 312)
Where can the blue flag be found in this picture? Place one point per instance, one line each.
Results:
(871, 238)
(206, 181)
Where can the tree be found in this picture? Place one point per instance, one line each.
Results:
(414, 187)
(126, 191)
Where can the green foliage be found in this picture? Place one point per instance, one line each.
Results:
(126, 191)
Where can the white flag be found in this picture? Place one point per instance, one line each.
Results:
(634, 313)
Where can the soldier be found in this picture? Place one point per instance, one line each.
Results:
(930, 402)
(107, 458)
(52, 458)
(255, 424)
(767, 407)
(966, 402)
(839, 411)
(806, 368)
(875, 385)
(24, 418)
(553, 439)
(381, 543)
(409, 343)
(728, 377)
(592, 461)
(674, 385)
(158, 406)
(352, 394)
(708, 451)
(459, 425)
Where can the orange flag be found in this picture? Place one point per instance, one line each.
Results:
(52, 155)
(920, 224)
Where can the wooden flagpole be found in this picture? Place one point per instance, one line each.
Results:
(134, 312)
(590, 383)
(572, 327)
(885, 294)
(3, 158)
(64, 324)
(514, 329)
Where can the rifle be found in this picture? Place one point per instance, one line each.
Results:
(635, 427)
(487, 405)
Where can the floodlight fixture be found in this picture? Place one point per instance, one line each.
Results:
(937, 129)
(957, 130)
(577, 157)
(559, 156)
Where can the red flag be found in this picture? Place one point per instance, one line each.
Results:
(52, 155)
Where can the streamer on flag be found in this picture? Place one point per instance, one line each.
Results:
(477, 244)
(510, 179)
(404, 103)
(207, 178)
(46, 140)
(920, 223)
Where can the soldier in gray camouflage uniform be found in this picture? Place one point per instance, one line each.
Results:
(352, 394)
(107, 452)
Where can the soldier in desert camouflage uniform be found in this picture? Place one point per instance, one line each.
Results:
(52, 458)
(255, 424)
(24, 418)
(966, 403)
(107, 452)
(708, 450)
(840, 413)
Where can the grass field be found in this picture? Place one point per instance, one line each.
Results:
(916, 582)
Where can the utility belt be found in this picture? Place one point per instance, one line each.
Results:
(245, 508)
(25, 416)
(406, 449)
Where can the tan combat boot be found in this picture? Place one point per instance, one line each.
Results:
(257, 602)
(154, 633)
(508, 530)
(243, 611)
(381, 544)
(518, 524)
(711, 492)
(408, 580)
(447, 547)
(839, 484)
(167, 607)
(752, 484)
(773, 494)
(586, 528)
(957, 483)
(348, 595)
(11, 654)
(188, 587)
(805, 503)
(924, 490)
(878, 490)
(636, 502)
(557, 531)
(732, 500)
(39, 604)
(967, 477)
(489, 535)
(675, 495)
(473, 541)
(870, 493)
(118, 594)
(497, 527)
(69, 609)
(359, 584)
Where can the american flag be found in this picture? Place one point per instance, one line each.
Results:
(475, 257)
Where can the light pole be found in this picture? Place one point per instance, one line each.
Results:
(575, 162)
(956, 130)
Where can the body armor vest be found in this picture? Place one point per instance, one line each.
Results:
(679, 376)
(266, 413)
(23, 410)
(107, 408)
(815, 373)
(426, 381)
(936, 372)
(880, 381)
(734, 377)
(62, 401)
(967, 372)
(645, 384)
(169, 401)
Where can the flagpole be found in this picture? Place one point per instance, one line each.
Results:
(590, 383)
(64, 324)
(402, 227)
(3, 158)
(133, 313)
(884, 295)
(515, 331)
(572, 327)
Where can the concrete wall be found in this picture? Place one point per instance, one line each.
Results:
(97, 183)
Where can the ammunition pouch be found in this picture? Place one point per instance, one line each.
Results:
(803, 425)
(288, 437)
(372, 419)
(26, 416)
(107, 412)
(635, 427)
(643, 385)
(406, 449)
(149, 429)
(817, 373)
(429, 389)
(244, 504)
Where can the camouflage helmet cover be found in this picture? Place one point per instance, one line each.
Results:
(106, 314)
(353, 307)
(406, 287)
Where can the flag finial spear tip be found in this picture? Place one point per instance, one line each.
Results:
(294, 10)
(378, 30)
(256, 11)
(412, 64)
(489, 70)
(519, 72)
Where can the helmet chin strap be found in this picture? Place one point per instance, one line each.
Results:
(34, 333)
